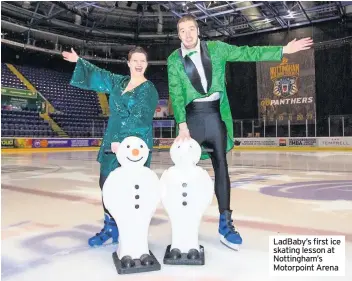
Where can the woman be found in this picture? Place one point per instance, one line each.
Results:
(133, 101)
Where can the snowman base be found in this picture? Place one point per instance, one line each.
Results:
(193, 257)
(146, 263)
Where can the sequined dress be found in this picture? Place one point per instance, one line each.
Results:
(131, 113)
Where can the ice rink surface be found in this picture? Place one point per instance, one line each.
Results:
(51, 205)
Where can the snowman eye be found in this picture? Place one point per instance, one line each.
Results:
(141, 146)
(128, 146)
(178, 146)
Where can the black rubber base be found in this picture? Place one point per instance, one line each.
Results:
(127, 265)
(193, 257)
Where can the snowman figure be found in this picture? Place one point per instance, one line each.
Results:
(131, 193)
(187, 191)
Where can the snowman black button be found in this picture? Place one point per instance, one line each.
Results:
(184, 184)
(137, 197)
(137, 206)
(184, 203)
(184, 194)
(136, 186)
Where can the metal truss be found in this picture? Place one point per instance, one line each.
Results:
(154, 22)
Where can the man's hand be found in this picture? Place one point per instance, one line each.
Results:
(183, 133)
(295, 46)
(115, 146)
(70, 56)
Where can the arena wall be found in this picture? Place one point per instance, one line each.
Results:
(278, 144)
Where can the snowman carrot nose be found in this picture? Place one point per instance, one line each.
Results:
(135, 152)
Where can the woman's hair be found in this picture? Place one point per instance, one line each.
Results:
(137, 50)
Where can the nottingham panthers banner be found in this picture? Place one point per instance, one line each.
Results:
(286, 90)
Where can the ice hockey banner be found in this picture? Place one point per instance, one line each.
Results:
(286, 89)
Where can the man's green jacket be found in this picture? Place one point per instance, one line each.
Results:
(182, 89)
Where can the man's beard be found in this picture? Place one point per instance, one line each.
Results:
(195, 45)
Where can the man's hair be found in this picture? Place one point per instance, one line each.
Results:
(187, 18)
(137, 50)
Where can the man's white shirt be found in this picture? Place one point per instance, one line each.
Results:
(197, 60)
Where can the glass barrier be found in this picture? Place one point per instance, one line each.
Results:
(331, 126)
(31, 124)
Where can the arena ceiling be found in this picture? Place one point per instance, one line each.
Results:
(116, 25)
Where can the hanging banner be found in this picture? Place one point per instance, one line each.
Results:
(21, 93)
(19, 99)
(286, 90)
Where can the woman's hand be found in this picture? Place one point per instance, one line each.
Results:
(115, 146)
(70, 56)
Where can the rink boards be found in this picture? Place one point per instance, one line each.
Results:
(92, 144)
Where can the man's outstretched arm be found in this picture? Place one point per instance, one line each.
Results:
(234, 53)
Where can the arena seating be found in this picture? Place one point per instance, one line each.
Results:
(8, 79)
(159, 79)
(24, 124)
(162, 88)
(65, 98)
(16, 123)
(78, 112)
(81, 125)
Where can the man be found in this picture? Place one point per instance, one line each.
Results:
(196, 74)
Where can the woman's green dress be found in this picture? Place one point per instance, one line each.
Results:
(131, 113)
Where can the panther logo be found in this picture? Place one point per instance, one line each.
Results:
(285, 87)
